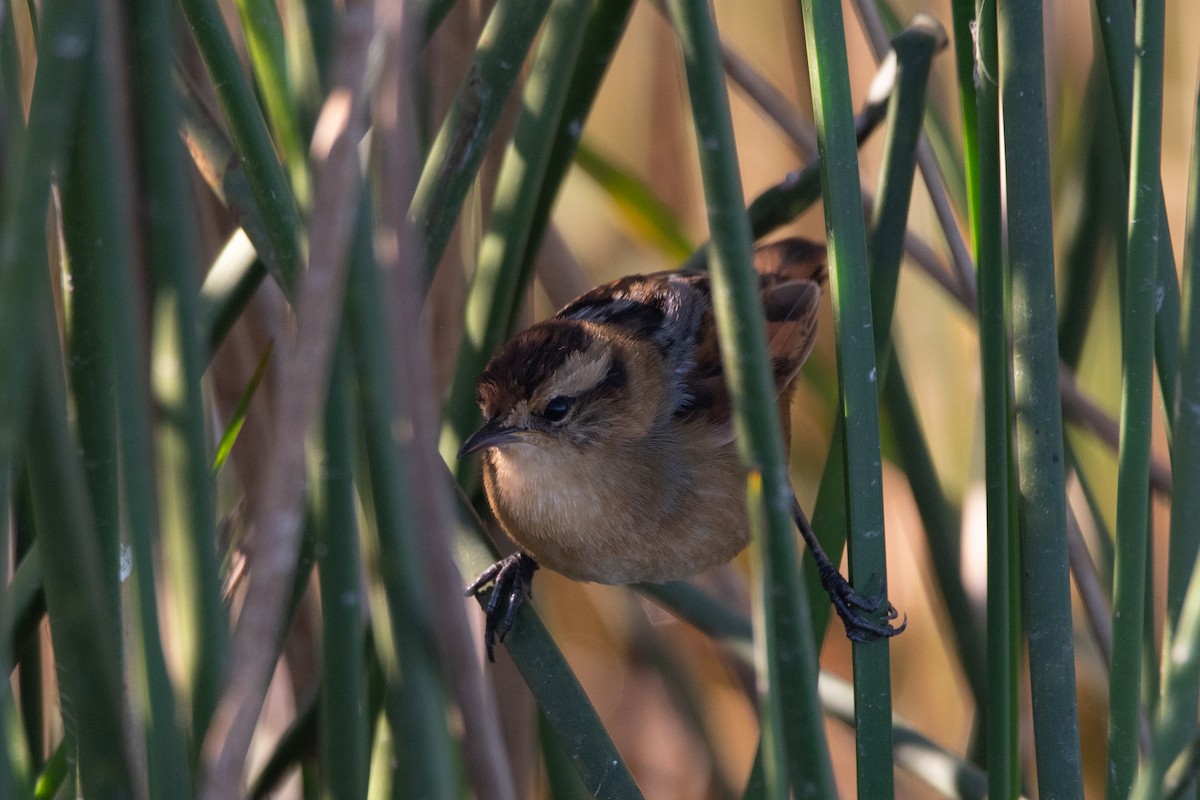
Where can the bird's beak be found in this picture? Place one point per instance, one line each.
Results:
(491, 434)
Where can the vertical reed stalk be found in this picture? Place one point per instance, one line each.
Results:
(742, 335)
(1045, 589)
(857, 376)
(1137, 357)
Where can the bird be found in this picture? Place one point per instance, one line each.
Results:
(608, 449)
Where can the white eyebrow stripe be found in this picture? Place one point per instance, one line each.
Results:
(580, 372)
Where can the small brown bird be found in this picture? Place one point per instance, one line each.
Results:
(609, 451)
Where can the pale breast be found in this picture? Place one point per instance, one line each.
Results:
(658, 518)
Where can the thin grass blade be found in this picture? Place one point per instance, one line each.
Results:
(238, 417)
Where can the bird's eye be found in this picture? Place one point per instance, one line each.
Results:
(557, 408)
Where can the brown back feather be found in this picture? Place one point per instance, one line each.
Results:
(791, 274)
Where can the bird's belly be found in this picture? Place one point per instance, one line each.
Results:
(622, 528)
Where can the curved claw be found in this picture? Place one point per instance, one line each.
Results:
(513, 577)
(854, 609)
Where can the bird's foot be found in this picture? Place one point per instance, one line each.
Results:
(513, 577)
(856, 610)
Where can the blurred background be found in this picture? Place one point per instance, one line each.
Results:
(679, 707)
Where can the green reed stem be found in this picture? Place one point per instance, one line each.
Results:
(416, 701)
(1117, 30)
(1045, 590)
(1175, 725)
(100, 233)
(857, 373)
(792, 668)
(256, 152)
(1003, 590)
(605, 28)
(1133, 492)
(187, 484)
(22, 218)
(267, 48)
(343, 723)
(460, 145)
(88, 658)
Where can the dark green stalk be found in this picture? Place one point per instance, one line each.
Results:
(568, 710)
(857, 372)
(8, 779)
(25, 598)
(561, 775)
(229, 284)
(493, 297)
(265, 44)
(1175, 722)
(222, 170)
(89, 225)
(1137, 356)
(772, 756)
(416, 706)
(343, 723)
(23, 265)
(1046, 596)
(88, 658)
(1117, 31)
(459, 148)
(1003, 592)
(22, 218)
(914, 49)
(256, 153)
(963, 14)
(98, 218)
(791, 673)
(322, 30)
(12, 121)
(187, 489)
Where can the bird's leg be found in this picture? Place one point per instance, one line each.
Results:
(852, 607)
(513, 577)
